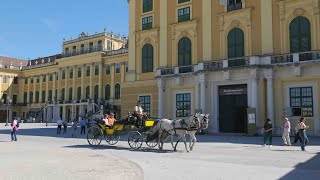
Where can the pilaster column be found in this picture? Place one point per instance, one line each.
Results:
(131, 75)
(254, 90)
(160, 98)
(1, 80)
(122, 71)
(101, 70)
(197, 93)
(10, 82)
(49, 114)
(163, 33)
(207, 29)
(59, 84)
(214, 108)
(203, 92)
(74, 88)
(64, 112)
(112, 74)
(66, 88)
(40, 91)
(47, 87)
(91, 80)
(270, 95)
(54, 87)
(21, 89)
(34, 89)
(28, 95)
(83, 74)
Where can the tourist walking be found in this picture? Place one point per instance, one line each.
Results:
(14, 129)
(268, 133)
(302, 133)
(286, 132)
(59, 123)
(296, 134)
(65, 126)
(83, 126)
(74, 128)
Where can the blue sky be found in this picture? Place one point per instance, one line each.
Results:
(36, 28)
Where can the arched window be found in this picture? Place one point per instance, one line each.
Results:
(117, 91)
(37, 96)
(79, 93)
(56, 95)
(147, 58)
(184, 52)
(96, 92)
(50, 95)
(31, 97)
(62, 94)
(43, 98)
(235, 43)
(88, 92)
(300, 35)
(70, 94)
(25, 97)
(107, 92)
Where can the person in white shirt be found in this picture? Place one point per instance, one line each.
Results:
(138, 113)
(59, 123)
(286, 132)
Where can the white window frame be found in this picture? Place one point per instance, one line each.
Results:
(175, 102)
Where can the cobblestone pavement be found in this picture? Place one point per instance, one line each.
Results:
(40, 154)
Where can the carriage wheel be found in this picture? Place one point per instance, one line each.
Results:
(152, 143)
(94, 136)
(113, 139)
(135, 140)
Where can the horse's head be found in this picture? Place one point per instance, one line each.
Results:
(205, 121)
(196, 121)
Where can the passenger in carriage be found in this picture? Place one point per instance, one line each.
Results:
(138, 113)
(111, 120)
(105, 119)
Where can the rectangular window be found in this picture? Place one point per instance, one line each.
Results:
(74, 50)
(15, 80)
(5, 98)
(108, 45)
(146, 103)
(117, 68)
(31, 80)
(301, 101)
(71, 73)
(79, 72)
(67, 52)
(88, 71)
(108, 68)
(5, 79)
(38, 80)
(44, 78)
(147, 5)
(25, 80)
(96, 70)
(234, 5)
(100, 47)
(184, 14)
(57, 76)
(183, 1)
(63, 74)
(127, 67)
(51, 77)
(147, 23)
(183, 104)
(90, 46)
(82, 49)
(14, 99)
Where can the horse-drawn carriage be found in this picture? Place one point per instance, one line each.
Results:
(139, 133)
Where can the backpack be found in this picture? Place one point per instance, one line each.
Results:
(17, 124)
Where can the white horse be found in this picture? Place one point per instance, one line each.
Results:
(204, 124)
(166, 128)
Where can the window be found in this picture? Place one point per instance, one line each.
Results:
(44, 78)
(74, 50)
(117, 91)
(96, 70)
(108, 45)
(88, 92)
(56, 94)
(71, 73)
(25, 97)
(300, 35)
(147, 23)
(79, 72)
(43, 98)
(184, 14)
(234, 5)
(31, 97)
(107, 92)
(96, 92)
(38, 80)
(183, 105)
(63, 74)
(108, 69)
(184, 52)
(117, 68)
(82, 49)
(88, 71)
(235, 43)
(79, 93)
(25, 80)
(15, 80)
(5, 79)
(301, 101)
(14, 99)
(183, 1)
(50, 95)
(51, 77)
(100, 47)
(145, 101)
(90, 46)
(147, 5)
(70, 94)
(147, 58)
(31, 80)
(57, 76)
(67, 51)
(37, 96)
(62, 94)
(5, 98)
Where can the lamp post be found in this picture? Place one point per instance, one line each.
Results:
(8, 103)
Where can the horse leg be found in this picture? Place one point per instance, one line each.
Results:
(172, 141)
(175, 147)
(185, 142)
(159, 141)
(194, 140)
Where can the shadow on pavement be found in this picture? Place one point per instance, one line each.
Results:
(307, 170)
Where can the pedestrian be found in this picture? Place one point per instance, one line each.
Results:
(302, 133)
(83, 126)
(268, 133)
(65, 126)
(286, 132)
(74, 128)
(296, 134)
(59, 123)
(14, 129)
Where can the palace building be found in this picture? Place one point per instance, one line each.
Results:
(242, 61)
